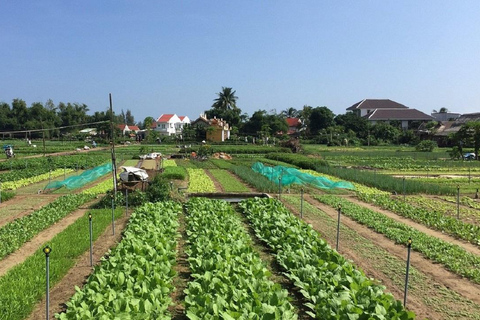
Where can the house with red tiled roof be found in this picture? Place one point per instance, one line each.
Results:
(385, 110)
(170, 124)
(128, 129)
(217, 130)
(294, 125)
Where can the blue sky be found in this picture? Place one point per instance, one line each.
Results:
(159, 57)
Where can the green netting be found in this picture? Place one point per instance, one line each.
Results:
(81, 179)
(291, 175)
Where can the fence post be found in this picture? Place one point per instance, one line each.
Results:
(47, 251)
(91, 240)
(409, 246)
(301, 203)
(403, 188)
(338, 225)
(113, 217)
(458, 202)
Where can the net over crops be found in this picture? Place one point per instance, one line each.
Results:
(291, 175)
(81, 179)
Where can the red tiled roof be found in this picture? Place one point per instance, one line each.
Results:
(122, 126)
(377, 104)
(293, 122)
(181, 117)
(398, 114)
(134, 128)
(165, 117)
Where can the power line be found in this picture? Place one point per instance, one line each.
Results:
(54, 128)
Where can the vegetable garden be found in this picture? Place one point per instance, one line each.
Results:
(263, 258)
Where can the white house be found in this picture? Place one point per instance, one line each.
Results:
(170, 124)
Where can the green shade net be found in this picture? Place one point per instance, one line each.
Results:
(291, 175)
(81, 179)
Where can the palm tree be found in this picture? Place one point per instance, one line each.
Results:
(290, 113)
(227, 100)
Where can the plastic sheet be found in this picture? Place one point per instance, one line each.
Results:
(81, 179)
(290, 176)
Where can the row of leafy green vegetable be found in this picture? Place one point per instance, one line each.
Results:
(431, 217)
(451, 256)
(14, 234)
(137, 277)
(334, 288)
(229, 279)
(23, 287)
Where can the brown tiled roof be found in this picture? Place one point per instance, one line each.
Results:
(293, 122)
(398, 114)
(372, 104)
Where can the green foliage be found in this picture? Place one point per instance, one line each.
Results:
(199, 181)
(158, 189)
(7, 195)
(426, 146)
(452, 256)
(175, 173)
(228, 182)
(137, 277)
(14, 234)
(298, 160)
(333, 287)
(23, 286)
(257, 180)
(230, 281)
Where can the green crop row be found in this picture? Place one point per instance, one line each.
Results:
(432, 217)
(230, 280)
(175, 173)
(255, 179)
(446, 208)
(15, 184)
(229, 183)
(169, 163)
(199, 181)
(451, 256)
(137, 277)
(71, 161)
(24, 285)
(14, 234)
(333, 287)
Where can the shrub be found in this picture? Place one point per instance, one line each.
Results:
(158, 189)
(426, 146)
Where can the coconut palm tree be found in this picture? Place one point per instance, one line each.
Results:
(227, 100)
(290, 113)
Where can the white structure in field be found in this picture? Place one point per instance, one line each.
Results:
(170, 124)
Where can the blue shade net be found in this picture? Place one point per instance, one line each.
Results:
(81, 179)
(289, 176)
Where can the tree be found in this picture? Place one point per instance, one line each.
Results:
(225, 107)
(290, 113)
(469, 135)
(129, 119)
(147, 122)
(352, 121)
(320, 118)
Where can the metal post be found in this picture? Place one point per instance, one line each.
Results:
(91, 240)
(279, 188)
(409, 247)
(404, 189)
(114, 166)
(458, 202)
(338, 225)
(126, 202)
(113, 217)
(301, 203)
(47, 251)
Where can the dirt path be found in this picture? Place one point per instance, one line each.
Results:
(78, 274)
(420, 227)
(177, 309)
(29, 248)
(441, 285)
